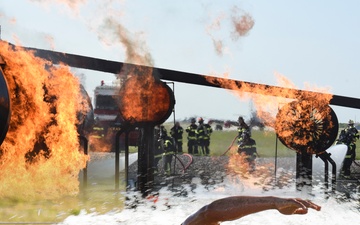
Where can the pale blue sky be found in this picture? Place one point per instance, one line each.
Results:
(314, 42)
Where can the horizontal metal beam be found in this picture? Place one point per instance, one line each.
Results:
(114, 67)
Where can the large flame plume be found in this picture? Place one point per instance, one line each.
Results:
(40, 156)
(143, 98)
(269, 99)
(303, 127)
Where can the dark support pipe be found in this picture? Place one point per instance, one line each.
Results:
(117, 159)
(141, 174)
(151, 159)
(184, 77)
(276, 159)
(303, 170)
(304, 161)
(127, 158)
(326, 170)
(85, 144)
(325, 156)
(333, 177)
(146, 160)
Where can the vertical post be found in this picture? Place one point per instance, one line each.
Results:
(276, 156)
(146, 160)
(151, 159)
(85, 144)
(142, 161)
(117, 159)
(303, 170)
(326, 170)
(333, 177)
(325, 156)
(127, 158)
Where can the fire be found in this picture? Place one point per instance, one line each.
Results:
(238, 164)
(144, 99)
(303, 120)
(269, 99)
(40, 155)
(263, 174)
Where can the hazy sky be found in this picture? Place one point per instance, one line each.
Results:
(311, 43)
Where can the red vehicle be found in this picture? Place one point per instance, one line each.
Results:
(107, 119)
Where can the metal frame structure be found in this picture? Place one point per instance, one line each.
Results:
(114, 67)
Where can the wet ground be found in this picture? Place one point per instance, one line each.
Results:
(350, 185)
(269, 174)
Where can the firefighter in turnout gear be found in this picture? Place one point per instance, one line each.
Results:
(209, 130)
(158, 152)
(192, 139)
(203, 133)
(247, 149)
(168, 147)
(348, 136)
(243, 127)
(176, 132)
(165, 150)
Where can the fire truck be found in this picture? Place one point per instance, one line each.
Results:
(107, 118)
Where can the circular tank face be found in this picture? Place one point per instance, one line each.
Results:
(144, 101)
(86, 119)
(4, 107)
(306, 127)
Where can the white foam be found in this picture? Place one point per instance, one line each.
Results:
(170, 210)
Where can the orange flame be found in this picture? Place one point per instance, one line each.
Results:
(143, 98)
(305, 124)
(268, 99)
(40, 155)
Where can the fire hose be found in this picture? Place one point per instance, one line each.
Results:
(185, 167)
(356, 163)
(230, 146)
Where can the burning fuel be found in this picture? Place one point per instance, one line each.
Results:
(303, 120)
(145, 99)
(41, 155)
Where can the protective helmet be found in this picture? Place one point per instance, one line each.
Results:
(240, 119)
(201, 120)
(162, 132)
(245, 135)
(351, 122)
(193, 120)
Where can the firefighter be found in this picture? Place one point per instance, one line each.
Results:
(192, 140)
(168, 148)
(203, 136)
(243, 127)
(209, 130)
(98, 130)
(247, 149)
(348, 136)
(177, 133)
(158, 152)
